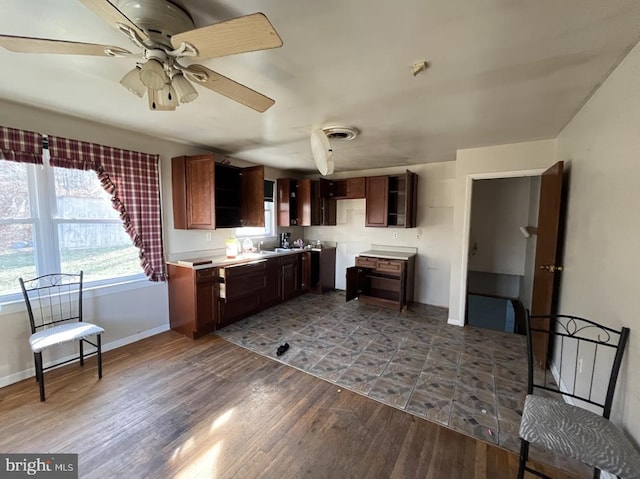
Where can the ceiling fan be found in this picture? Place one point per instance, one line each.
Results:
(166, 35)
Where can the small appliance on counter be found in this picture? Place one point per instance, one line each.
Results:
(285, 240)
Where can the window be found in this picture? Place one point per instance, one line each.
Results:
(269, 216)
(58, 219)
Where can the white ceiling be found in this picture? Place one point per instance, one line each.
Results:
(501, 71)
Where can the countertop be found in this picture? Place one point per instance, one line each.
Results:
(217, 261)
(375, 253)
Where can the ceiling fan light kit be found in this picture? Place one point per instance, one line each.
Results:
(132, 82)
(152, 75)
(185, 90)
(165, 34)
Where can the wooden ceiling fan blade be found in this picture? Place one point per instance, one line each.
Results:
(110, 14)
(231, 89)
(44, 45)
(243, 34)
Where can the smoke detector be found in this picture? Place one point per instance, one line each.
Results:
(343, 133)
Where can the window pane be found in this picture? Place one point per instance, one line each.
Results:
(17, 258)
(101, 250)
(80, 196)
(14, 190)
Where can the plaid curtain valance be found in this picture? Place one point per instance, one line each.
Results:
(20, 145)
(132, 179)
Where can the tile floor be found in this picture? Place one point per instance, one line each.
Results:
(469, 379)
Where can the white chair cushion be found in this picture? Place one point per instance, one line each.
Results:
(579, 433)
(61, 334)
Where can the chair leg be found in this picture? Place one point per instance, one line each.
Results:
(35, 364)
(81, 352)
(39, 374)
(524, 456)
(99, 343)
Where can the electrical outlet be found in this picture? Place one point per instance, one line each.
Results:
(208, 237)
(395, 235)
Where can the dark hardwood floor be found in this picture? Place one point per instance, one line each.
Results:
(170, 407)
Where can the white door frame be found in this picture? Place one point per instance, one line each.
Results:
(466, 225)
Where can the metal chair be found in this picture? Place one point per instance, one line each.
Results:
(54, 305)
(569, 412)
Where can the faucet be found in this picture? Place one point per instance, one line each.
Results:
(260, 246)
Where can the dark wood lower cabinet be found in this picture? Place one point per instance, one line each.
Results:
(241, 290)
(193, 296)
(202, 300)
(291, 275)
(381, 281)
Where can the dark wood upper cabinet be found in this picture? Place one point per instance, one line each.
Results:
(193, 192)
(346, 189)
(252, 187)
(391, 200)
(294, 202)
(323, 208)
(209, 195)
(377, 204)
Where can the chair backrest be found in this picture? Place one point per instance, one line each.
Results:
(52, 299)
(583, 354)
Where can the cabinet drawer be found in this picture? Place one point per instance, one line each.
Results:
(366, 262)
(206, 274)
(390, 266)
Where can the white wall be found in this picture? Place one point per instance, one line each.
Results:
(498, 209)
(518, 159)
(432, 236)
(602, 257)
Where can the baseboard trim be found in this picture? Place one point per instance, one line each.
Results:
(31, 372)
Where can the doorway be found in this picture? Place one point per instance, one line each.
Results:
(501, 251)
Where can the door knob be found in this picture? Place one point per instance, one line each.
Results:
(551, 268)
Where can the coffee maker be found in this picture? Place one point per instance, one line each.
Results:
(285, 240)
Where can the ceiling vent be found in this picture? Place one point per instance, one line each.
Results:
(343, 133)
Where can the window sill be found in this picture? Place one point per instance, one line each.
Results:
(17, 306)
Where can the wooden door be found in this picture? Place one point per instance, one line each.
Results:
(252, 193)
(377, 201)
(545, 274)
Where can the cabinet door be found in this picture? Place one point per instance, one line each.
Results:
(205, 305)
(193, 183)
(316, 204)
(376, 204)
(327, 269)
(356, 188)
(283, 186)
(356, 282)
(272, 293)
(290, 276)
(305, 271)
(252, 205)
(412, 199)
(303, 196)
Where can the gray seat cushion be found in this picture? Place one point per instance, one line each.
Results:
(579, 433)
